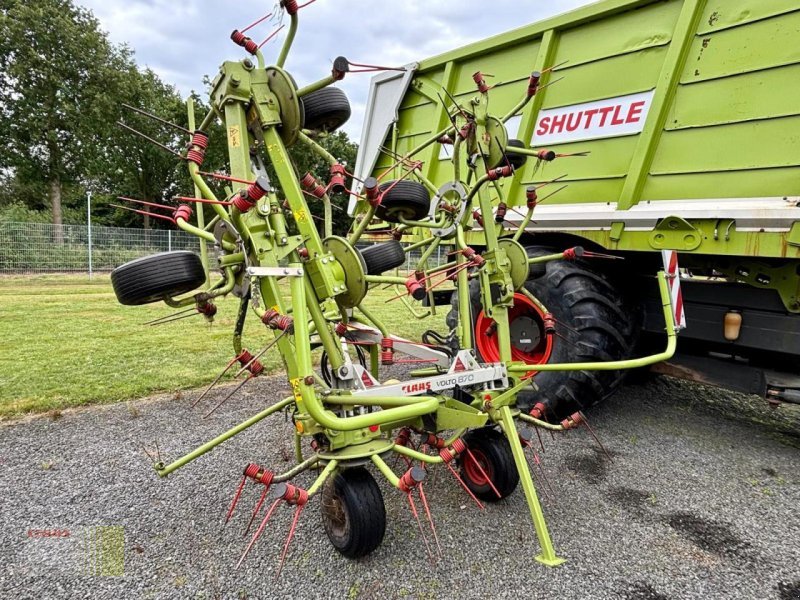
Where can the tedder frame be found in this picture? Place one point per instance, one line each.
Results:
(308, 290)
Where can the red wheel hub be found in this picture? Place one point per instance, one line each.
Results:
(473, 471)
(529, 343)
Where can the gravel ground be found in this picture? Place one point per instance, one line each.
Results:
(700, 501)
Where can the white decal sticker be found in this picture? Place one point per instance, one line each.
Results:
(614, 117)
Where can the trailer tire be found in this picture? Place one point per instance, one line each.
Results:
(380, 258)
(326, 109)
(491, 450)
(151, 278)
(406, 199)
(353, 513)
(596, 319)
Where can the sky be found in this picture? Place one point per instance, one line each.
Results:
(183, 41)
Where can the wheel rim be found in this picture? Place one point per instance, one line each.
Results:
(335, 515)
(526, 320)
(473, 473)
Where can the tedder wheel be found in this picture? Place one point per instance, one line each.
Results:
(590, 313)
(326, 109)
(353, 513)
(380, 258)
(406, 199)
(517, 160)
(491, 451)
(151, 278)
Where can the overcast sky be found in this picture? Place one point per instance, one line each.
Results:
(182, 41)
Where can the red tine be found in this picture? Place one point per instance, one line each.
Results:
(254, 23)
(153, 204)
(235, 499)
(483, 473)
(430, 518)
(225, 177)
(203, 200)
(596, 439)
(256, 509)
(270, 36)
(464, 485)
(258, 531)
(144, 212)
(292, 529)
(419, 523)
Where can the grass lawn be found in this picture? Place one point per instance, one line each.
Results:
(66, 341)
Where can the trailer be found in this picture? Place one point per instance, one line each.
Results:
(676, 124)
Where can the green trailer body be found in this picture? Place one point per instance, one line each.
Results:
(690, 110)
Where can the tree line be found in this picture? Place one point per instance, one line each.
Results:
(63, 85)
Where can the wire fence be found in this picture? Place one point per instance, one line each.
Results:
(48, 248)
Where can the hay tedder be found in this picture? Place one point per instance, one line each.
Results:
(459, 408)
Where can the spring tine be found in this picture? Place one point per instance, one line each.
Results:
(168, 317)
(551, 194)
(596, 439)
(419, 524)
(177, 317)
(258, 531)
(225, 177)
(226, 398)
(158, 451)
(254, 23)
(548, 84)
(483, 473)
(541, 470)
(297, 512)
(149, 139)
(455, 103)
(144, 212)
(430, 518)
(552, 181)
(153, 204)
(533, 473)
(257, 509)
(539, 435)
(156, 118)
(589, 254)
(270, 36)
(202, 200)
(213, 383)
(464, 485)
(260, 353)
(235, 499)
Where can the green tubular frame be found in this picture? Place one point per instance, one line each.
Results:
(262, 241)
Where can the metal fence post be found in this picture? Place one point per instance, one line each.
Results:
(169, 240)
(89, 228)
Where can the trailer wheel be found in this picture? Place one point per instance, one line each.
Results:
(406, 199)
(380, 258)
(326, 109)
(353, 513)
(151, 278)
(593, 322)
(491, 451)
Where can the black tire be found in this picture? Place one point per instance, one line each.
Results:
(493, 452)
(516, 160)
(151, 278)
(353, 513)
(594, 317)
(326, 109)
(407, 199)
(383, 257)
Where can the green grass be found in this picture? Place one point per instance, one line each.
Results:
(66, 342)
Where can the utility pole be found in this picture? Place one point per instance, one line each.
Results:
(89, 228)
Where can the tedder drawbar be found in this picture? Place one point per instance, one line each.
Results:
(308, 290)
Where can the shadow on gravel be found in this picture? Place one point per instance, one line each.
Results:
(789, 591)
(637, 502)
(641, 590)
(711, 536)
(592, 468)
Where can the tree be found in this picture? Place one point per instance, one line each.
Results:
(55, 101)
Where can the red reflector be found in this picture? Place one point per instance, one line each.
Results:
(374, 428)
